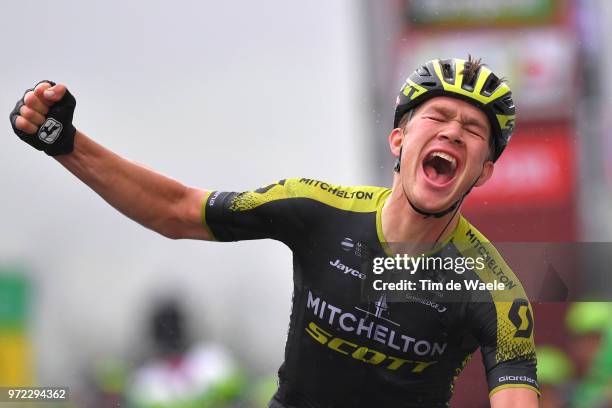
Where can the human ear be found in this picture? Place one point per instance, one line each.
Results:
(395, 138)
(487, 172)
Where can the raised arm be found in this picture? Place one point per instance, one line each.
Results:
(149, 198)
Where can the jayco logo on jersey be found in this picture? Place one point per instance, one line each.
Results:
(347, 270)
(50, 131)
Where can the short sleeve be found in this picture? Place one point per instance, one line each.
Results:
(504, 330)
(268, 212)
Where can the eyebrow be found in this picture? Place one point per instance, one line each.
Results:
(449, 113)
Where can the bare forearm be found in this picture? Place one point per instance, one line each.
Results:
(152, 199)
(515, 397)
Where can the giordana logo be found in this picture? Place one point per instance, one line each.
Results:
(347, 244)
(347, 270)
(50, 131)
(522, 378)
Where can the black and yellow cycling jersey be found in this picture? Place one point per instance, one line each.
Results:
(344, 350)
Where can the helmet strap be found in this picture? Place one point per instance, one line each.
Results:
(396, 166)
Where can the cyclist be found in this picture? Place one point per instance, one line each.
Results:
(453, 120)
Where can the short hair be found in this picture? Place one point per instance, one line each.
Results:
(405, 119)
(471, 68)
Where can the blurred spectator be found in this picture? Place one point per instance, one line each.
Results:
(591, 346)
(105, 386)
(555, 370)
(182, 374)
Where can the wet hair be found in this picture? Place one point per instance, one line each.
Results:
(471, 68)
(405, 119)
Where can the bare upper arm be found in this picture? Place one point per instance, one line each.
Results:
(514, 397)
(189, 223)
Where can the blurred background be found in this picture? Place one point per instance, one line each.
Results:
(236, 95)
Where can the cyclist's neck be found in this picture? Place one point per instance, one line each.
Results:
(401, 223)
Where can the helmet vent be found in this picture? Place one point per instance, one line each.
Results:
(423, 71)
(507, 100)
(448, 71)
(429, 84)
(490, 85)
(469, 78)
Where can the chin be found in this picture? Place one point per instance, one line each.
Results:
(432, 203)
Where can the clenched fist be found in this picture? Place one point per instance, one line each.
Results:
(43, 118)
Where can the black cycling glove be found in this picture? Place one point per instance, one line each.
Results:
(56, 135)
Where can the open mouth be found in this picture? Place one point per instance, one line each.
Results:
(440, 167)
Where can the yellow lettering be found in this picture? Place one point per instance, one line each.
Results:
(318, 333)
(362, 353)
(396, 363)
(421, 365)
(375, 358)
(335, 344)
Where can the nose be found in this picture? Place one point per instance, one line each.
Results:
(452, 134)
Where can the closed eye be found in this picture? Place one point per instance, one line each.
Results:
(475, 132)
(435, 118)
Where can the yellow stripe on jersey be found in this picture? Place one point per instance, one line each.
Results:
(514, 313)
(354, 198)
(379, 231)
